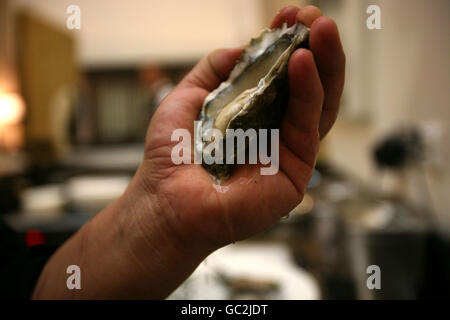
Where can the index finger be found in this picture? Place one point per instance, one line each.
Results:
(330, 58)
(325, 43)
(287, 14)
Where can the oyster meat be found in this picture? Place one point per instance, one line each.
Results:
(256, 91)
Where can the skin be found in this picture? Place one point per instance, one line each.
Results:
(172, 217)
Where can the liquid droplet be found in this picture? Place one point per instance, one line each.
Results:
(221, 189)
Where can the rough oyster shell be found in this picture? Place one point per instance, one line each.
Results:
(256, 92)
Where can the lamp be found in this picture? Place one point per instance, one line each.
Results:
(12, 110)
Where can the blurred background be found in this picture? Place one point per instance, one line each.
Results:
(75, 104)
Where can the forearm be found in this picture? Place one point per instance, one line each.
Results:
(120, 256)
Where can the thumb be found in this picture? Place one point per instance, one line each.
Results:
(181, 107)
(212, 69)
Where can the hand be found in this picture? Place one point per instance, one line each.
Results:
(172, 216)
(250, 202)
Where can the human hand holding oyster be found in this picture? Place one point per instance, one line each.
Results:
(248, 202)
(172, 216)
(201, 211)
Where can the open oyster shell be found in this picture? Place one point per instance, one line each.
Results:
(256, 92)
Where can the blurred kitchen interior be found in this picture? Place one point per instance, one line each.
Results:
(74, 106)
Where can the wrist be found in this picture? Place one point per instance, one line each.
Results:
(152, 250)
(151, 216)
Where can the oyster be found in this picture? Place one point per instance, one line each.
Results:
(256, 92)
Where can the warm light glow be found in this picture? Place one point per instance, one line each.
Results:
(12, 109)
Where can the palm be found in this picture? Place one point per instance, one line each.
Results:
(245, 204)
